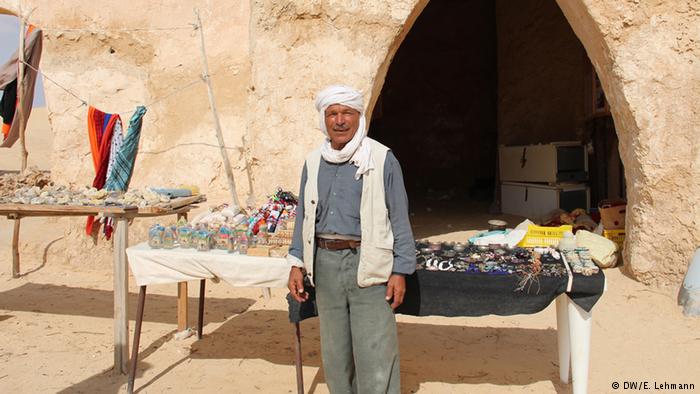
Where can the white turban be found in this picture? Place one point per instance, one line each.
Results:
(357, 150)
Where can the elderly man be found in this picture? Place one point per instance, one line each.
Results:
(353, 240)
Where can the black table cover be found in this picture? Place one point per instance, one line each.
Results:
(438, 293)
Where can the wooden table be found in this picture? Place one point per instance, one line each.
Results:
(121, 217)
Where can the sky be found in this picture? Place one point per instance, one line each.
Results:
(9, 41)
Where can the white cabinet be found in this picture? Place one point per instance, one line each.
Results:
(534, 201)
(546, 163)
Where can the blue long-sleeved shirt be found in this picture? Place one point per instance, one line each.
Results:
(338, 208)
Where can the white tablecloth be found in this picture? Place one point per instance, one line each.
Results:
(157, 266)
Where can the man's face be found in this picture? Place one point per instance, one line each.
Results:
(342, 123)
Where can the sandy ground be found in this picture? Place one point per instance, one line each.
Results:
(57, 334)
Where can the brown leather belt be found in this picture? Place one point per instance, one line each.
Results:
(336, 244)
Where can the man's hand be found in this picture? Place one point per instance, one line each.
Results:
(296, 285)
(396, 288)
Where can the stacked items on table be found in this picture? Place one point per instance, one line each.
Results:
(585, 252)
(528, 264)
(266, 232)
(528, 251)
(280, 207)
(604, 239)
(10, 182)
(37, 189)
(578, 219)
(494, 260)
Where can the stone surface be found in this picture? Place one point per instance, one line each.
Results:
(268, 59)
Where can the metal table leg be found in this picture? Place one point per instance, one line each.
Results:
(200, 314)
(137, 339)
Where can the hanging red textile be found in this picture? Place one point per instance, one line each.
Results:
(100, 131)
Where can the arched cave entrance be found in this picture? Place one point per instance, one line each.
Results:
(473, 75)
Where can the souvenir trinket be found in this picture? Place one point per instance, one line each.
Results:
(203, 241)
(169, 238)
(155, 236)
(222, 238)
(243, 243)
(184, 236)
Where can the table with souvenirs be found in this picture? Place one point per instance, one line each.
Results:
(454, 279)
(223, 244)
(484, 275)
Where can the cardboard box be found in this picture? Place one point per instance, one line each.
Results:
(612, 214)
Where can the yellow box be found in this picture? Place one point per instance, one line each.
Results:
(617, 236)
(543, 236)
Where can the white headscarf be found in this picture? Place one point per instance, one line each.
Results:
(357, 150)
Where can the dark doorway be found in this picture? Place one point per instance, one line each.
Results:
(437, 110)
(475, 74)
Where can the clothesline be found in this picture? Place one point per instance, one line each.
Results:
(157, 152)
(148, 105)
(145, 29)
(124, 113)
(190, 26)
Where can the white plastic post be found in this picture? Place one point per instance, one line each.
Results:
(563, 339)
(580, 335)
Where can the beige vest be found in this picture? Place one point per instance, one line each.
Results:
(377, 248)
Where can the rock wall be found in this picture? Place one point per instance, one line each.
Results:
(115, 70)
(646, 54)
(298, 48)
(269, 58)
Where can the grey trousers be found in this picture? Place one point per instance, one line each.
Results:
(359, 344)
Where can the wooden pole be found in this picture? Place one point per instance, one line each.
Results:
(182, 311)
(137, 340)
(20, 88)
(212, 102)
(297, 360)
(121, 292)
(15, 248)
